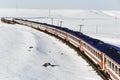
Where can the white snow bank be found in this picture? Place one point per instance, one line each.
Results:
(113, 13)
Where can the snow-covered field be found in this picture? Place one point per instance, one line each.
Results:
(23, 51)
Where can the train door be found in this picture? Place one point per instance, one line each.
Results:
(103, 62)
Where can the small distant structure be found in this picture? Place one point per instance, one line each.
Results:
(48, 64)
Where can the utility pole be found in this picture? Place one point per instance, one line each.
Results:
(57, 22)
(61, 23)
(115, 19)
(49, 13)
(16, 5)
(80, 27)
(52, 21)
(96, 29)
(49, 17)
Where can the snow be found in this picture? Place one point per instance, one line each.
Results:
(20, 62)
(113, 13)
(113, 39)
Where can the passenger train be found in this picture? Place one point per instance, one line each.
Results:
(105, 55)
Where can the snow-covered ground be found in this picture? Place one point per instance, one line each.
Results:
(23, 51)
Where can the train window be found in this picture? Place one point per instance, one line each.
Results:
(112, 66)
(94, 52)
(90, 49)
(63, 33)
(84, 45)
(109, 63)
(98, 55)
(105, 60)
(116, 70)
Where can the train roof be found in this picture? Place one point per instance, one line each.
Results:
(110, 50)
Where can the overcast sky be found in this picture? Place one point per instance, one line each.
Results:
(62, 4)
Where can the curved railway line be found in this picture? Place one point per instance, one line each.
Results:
(104, 58)
(102, 74)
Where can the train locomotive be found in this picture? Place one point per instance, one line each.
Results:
(103, 54)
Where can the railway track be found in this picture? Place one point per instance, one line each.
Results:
(80, 53)
(102, 74)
